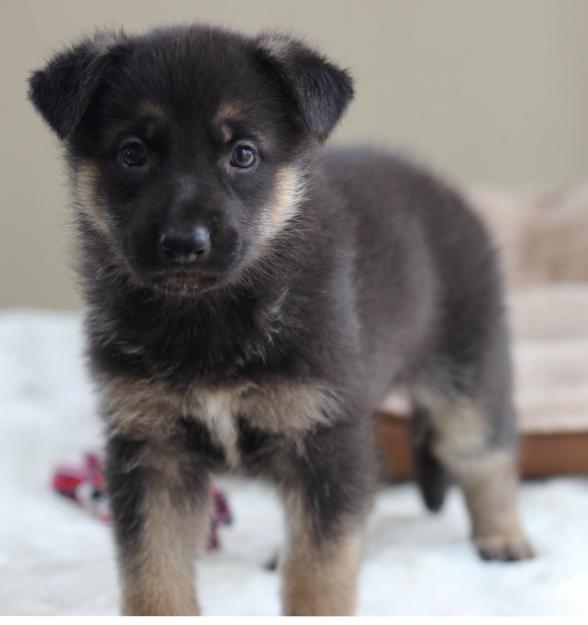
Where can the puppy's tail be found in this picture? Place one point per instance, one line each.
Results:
(432, 478)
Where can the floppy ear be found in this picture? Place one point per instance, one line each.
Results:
(63, 90)
(320, 90)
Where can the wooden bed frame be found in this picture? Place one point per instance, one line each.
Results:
(541, 454)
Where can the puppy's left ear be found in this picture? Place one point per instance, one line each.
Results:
(320, 90)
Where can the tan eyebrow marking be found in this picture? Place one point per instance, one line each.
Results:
(226, 112)
(152, 110)
(226, 132)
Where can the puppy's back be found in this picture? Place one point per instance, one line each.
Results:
(424, 261)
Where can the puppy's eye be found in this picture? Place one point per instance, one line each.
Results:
(133, 154)
(243, 157)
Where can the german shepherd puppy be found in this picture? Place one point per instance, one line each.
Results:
(252, 298)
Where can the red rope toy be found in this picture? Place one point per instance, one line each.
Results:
(85, 485)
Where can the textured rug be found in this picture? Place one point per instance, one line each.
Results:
(57, 560)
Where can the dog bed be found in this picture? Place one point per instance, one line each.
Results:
(543, 247)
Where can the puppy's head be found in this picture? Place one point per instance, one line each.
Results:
(188, 145)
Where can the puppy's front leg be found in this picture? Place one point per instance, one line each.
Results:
(159, 498)
(320, 573)
(325, 510)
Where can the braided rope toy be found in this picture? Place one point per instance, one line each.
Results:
(85, 484)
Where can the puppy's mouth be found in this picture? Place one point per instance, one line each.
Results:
(184, 281)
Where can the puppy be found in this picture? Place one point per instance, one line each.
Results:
(252, 298)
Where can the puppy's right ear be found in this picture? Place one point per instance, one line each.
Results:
(63, 90)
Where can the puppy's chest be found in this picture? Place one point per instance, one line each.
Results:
(226, 422)
(220, 414)
(239, 421)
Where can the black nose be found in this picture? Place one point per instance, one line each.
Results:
(185, 246)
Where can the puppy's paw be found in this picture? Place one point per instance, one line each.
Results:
(506, 548)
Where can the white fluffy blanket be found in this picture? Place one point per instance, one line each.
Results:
(56, 560)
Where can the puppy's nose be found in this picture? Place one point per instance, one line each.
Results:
(185, 246)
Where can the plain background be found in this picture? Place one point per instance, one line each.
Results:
(489, 92)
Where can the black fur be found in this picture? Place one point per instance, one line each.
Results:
(431, 476)
(200, 447)
(126, 481)
(320, 90)
(64, 89)
(378, 275)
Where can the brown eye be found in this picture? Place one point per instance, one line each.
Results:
(133, 154)
(243, 156)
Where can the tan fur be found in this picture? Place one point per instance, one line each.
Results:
(461, 428)
(151, 109)
(226, 111)
(490, 487)
(139, 408)
(488, 476)
(87, 197)
(161, 581)
(288, 194)
(160, 578)
(320, 579)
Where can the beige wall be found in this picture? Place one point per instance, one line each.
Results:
(488, 91)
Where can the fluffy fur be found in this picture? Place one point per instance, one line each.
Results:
(252, 298)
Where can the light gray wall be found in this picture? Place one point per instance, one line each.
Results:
(491, 92)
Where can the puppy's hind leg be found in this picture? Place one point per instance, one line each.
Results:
(465, 442)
